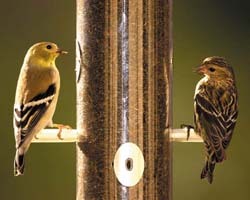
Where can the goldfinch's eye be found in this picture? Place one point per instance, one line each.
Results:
(211, 69)
(49, 46)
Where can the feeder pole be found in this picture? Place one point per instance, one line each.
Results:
(124, 81)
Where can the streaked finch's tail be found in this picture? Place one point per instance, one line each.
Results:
(207, 171)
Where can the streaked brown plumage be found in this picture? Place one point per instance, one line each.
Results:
(215, 110)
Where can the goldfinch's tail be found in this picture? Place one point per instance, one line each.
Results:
(18, 164)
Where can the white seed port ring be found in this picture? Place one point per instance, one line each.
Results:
(129, 164)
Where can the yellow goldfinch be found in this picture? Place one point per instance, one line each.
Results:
(215, 110)
(36, 97)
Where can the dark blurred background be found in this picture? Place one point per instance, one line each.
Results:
(201, 29)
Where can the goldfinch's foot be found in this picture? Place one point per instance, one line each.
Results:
(60, 127)
(37, 138)
(188, 127)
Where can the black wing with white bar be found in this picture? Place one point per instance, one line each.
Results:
(26, 116)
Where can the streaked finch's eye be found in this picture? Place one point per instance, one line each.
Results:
(211, 69)
(49, 47)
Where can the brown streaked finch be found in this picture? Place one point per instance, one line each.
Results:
(215, 110)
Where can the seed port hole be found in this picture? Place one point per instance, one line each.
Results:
(129, 164)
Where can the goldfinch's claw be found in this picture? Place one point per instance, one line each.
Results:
(60, 127)
(59, 134)
(188, 127)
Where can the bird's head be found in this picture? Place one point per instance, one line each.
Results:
(215, 67)
(43, 54)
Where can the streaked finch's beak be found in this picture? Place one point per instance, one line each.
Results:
(60, 51)
(200, 69)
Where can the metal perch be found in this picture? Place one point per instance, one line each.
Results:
(71, 135)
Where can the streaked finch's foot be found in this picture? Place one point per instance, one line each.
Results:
(188, 127)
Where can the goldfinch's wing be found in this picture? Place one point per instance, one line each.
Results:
(218, 122)
(26, 116)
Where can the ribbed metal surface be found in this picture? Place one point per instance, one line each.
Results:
(124, 73)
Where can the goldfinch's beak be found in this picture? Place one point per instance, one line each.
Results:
(60, 51)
